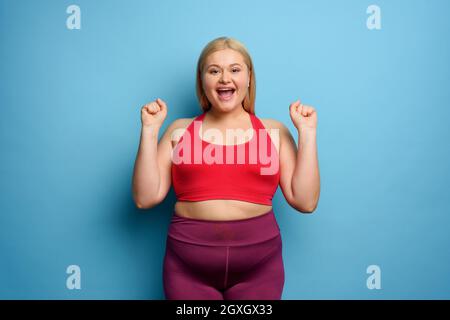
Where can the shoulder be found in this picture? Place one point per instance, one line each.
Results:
(278, 132)
(274, 124)
(178, 124)
(271, 123)
(177, 128)
(181, 123)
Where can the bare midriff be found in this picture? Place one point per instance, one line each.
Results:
(220, 209)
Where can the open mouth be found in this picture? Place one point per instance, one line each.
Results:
(225, 94)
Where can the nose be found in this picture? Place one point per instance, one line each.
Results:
(225, 77)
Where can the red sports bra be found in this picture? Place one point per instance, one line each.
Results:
(248, 171)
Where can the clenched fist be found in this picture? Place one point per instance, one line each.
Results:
(303, 116)
(153, 113)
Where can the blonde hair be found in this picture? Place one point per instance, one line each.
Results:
(220, 44)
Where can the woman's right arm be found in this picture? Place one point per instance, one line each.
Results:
(151, 175)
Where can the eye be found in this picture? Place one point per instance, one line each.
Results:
(236, 70)
(213, 71)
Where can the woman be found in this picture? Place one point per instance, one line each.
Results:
(224, 241)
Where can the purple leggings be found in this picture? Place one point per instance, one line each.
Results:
(224, 260)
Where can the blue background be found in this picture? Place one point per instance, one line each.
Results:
(70, 123)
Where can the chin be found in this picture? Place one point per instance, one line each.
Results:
(228, 105)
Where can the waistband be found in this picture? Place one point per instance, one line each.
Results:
(224, 233)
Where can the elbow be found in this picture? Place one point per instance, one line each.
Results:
(140, 205)
(308, 210)
(144, 201)
(305, 208)
(145, 204)
(305, 203)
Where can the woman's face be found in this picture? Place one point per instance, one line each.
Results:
(225, 79)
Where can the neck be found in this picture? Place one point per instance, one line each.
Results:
(226, 116)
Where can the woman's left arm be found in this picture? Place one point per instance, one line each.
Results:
(300, 178)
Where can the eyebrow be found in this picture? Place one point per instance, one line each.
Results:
(211, 65)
